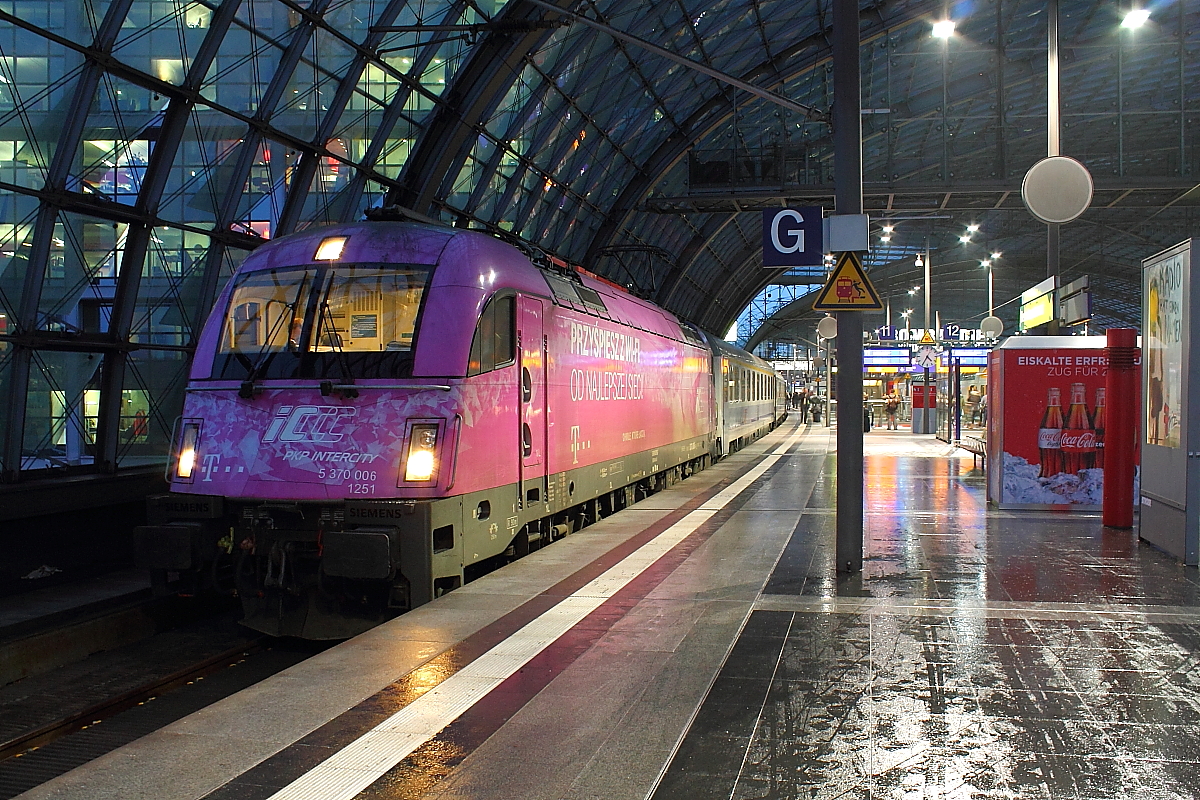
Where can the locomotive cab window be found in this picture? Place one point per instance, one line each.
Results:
(493, 345)
(349, 321)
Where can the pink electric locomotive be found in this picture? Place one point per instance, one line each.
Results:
(378, 412)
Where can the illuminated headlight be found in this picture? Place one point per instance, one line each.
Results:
(421, 462)
(330, 248)
(185, 459)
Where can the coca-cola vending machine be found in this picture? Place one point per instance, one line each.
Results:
(1045, 423)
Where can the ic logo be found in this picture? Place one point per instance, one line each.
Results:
(307, 424)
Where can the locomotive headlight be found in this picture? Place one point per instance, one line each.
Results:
(421, 463)
(330, 248)
(185, 461)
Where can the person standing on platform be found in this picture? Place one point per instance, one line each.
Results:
(972, 402)
(891, 404)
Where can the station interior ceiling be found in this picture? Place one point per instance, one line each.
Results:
(146, 146)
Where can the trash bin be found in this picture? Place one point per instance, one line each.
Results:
(866, 420)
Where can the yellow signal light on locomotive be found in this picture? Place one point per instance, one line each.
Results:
(420, 464)
(330, 248)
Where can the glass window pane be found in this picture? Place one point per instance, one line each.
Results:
(62, 407)
(151, 397)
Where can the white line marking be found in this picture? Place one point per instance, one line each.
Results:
(365, 760)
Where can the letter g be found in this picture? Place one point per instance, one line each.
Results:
(797, 235)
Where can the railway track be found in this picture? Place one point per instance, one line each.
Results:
(110, 707)
(62, 718)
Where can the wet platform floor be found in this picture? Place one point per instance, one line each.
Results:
(980, 654)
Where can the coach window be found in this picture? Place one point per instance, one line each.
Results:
(493, 343)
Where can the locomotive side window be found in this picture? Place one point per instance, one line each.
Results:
(493, 343)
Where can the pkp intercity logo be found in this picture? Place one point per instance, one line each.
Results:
(308, 424)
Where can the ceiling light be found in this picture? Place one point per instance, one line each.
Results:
(965, 238)
(945, 29)
(1135, 18)
(995, 256)
(885, 238)
(985, 263)
(972, 228)
(888, 228)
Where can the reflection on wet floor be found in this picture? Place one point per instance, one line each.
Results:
(980, 654)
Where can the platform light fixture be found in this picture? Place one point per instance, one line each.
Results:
(943, 29)
(1136, 18)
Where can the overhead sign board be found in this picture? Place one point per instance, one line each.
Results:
(886, 356)
(967, 356)
(1039, 289)
(848, 288)
(792, 237)
(1037, 304)
(1037, 311)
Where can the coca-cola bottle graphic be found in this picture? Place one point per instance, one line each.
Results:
(1078, 442)
(1098, 425)
(1050, 435)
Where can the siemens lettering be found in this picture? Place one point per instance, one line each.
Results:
(588, 340)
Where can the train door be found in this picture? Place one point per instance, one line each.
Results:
(721, 376)
(531, 350)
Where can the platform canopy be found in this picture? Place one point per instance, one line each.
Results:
(146, 146)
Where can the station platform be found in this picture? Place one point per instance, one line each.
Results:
(700, 645)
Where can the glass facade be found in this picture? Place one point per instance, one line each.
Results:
(146, 146)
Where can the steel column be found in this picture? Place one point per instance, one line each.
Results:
(848, 199)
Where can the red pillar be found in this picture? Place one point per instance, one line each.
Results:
(1123, 401)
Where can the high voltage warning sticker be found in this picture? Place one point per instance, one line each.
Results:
(848, 288)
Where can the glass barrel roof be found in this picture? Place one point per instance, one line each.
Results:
(146, 146)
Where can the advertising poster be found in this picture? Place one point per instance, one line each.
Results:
(1163, 350)
(1053, 427)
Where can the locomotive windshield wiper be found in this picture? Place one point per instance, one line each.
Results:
(334, 339)
(264, 355)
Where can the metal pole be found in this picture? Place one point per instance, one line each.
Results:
(991, 296)
(848, 199)
(1053, 129)
(926, 288)
(927, 408)
(828, 384)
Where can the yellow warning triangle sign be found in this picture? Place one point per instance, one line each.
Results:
(927, 338)
(848, 288)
